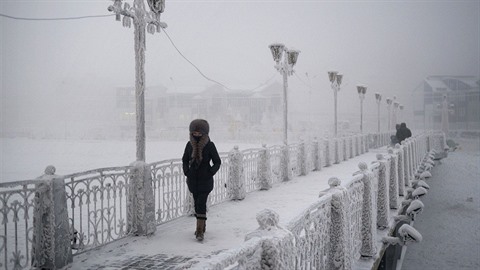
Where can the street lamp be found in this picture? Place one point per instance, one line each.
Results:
(395, 110)
(285, 68)
(378, 98)
(362, 90)
(336, 81)
(401, 113)
(151, 21)
(389, 106)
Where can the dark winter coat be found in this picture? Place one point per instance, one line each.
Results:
(200, 176)
(403, 132)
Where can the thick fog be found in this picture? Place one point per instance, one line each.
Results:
(61, 76)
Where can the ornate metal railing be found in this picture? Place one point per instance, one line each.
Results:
(250, 168)
(311, 230)
(17, 207)
(172, 198)
(97, 202)
(219, 192)
(275, 153)
(293, 155)
(355, 196)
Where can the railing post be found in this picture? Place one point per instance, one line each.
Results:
(264, 173)
(236, 188)
(285, 163)
(350, 142)
(345, 157)
(382, 199)
(406, 161)
(141, 203)
(367, 142)
(357, 146)
(337, 151)
(393, 181)
(401, 170)
(328, 160)
(277, 248)
(51, 243)
(302, 158)
(338, 255)
(369, 231)
(317, 155)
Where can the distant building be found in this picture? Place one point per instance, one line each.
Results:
(463, 95)
(229, 110)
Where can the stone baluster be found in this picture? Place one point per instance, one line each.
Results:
(236, 188)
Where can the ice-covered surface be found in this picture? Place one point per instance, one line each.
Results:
(450, 222)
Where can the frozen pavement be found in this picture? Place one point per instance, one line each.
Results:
(173, 246)
(450, 222)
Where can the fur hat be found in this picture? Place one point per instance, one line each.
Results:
(199, 125)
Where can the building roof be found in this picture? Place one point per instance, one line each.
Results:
(448, 83)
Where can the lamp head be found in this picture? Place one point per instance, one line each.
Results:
(339, 78)
(361, 89)
(332, 76)
(389, 101)
(277, 51)
(156, 6)
(292, 56)
(378, 96)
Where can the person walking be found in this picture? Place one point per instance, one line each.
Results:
(394, 138)
(198, 154)
(403, 132)
(408, 132)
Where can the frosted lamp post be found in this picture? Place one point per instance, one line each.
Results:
(378, 98)
(446, 109)
(400, 117)
(389, 106)
(362, 90)
(336, 81)
(395, 110)
(142, 19)
(285, 68)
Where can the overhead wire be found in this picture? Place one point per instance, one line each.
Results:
(206, 77)
(54, 19)
(167, 35)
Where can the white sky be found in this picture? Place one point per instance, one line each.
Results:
(390, 46)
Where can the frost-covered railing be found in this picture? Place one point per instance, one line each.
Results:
(275, 159)
(250, 168)
(97, 202)
(219, 192)
(311, 230)
(17, 207)
(104, 205)
(170, 192)
(341, 226)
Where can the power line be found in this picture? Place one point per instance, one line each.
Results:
(203, 75)
(54, 19)
(171, 41)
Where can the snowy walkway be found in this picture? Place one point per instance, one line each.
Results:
(450, 222)
(174, 244)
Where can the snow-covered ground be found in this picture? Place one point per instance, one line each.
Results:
(24, 159)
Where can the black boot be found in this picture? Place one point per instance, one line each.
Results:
(201, 226)
(199, 233)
